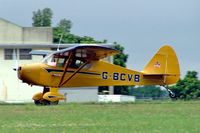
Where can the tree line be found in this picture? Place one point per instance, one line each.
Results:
(188, 87)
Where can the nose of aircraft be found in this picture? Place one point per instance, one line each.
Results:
(19, 72)
(28, 73)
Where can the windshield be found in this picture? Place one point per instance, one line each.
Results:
(55, 60)
(47, 58)
(61, 59)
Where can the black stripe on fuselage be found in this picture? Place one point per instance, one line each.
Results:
(56, 70)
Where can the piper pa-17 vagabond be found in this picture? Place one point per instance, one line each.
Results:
(82, 65)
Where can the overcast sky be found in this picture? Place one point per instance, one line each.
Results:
(141, 26)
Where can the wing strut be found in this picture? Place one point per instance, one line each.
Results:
(73, 73)
(66, 67)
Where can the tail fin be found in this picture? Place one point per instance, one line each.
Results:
(164, 63)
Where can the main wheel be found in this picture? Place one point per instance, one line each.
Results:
(42, 102)
(54, 103)
(45, 102)
(37, 102)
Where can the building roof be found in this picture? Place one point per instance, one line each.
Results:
(33, 46)
(42, 45)
(6, 21)
(12, 33)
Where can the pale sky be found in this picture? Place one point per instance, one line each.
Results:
(141, 26)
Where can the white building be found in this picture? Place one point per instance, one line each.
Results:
(15, 44)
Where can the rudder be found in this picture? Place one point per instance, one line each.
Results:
(164, 62)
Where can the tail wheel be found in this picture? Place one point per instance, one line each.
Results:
(172, 95)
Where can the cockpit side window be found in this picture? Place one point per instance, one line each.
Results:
(60, 60)
(56, 60)
(76, 63)
(81, 53)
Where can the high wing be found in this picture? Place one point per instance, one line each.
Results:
(89, 51)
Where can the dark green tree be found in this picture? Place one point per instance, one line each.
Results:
(61, 33)
(89, 40)
(121, 58)
(65, 25)
(42, 18)
(188, 87)
(46, 17)
(37, 18)
(66, 38)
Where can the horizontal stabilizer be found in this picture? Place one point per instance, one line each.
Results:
(147, 75)
(158, 76)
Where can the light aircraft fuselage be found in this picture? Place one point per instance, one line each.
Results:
(83, 65)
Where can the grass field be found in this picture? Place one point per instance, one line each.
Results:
(139, 117)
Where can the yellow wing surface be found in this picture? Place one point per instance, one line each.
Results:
(163, 69)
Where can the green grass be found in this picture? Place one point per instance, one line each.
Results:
(139, 117)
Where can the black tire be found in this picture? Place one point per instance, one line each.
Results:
(173, 96)
(37, 102)
(54, 103)
(45, 102)
(42, 102)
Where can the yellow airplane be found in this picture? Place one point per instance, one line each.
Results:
(83, 65)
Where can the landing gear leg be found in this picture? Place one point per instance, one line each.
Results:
(42, 101)
(49, 96)
(172, 95)
(46, 89)
(47, 102)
